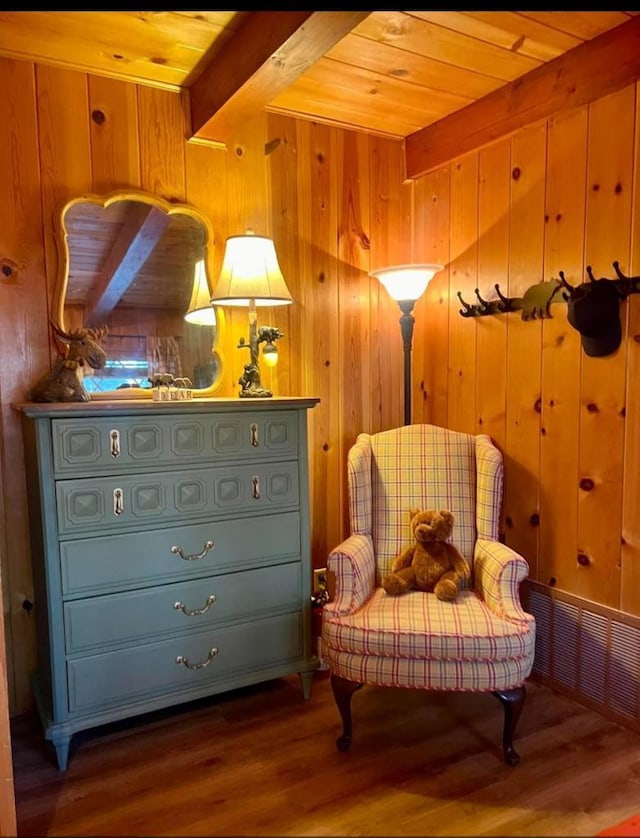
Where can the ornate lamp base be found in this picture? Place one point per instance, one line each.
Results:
(250, 380)
(251, 384)
(255, 393)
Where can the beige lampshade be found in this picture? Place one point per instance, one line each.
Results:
(406, 282)
(250, 271)
(200, 310)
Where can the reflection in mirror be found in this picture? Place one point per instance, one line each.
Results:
(131, 261)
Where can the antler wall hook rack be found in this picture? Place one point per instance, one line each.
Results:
(534, 303)
(536, 300)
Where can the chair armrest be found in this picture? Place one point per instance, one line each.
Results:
(353, 565)
(498, 571)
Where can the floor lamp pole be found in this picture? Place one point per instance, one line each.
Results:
(405, 284)
(406, 326)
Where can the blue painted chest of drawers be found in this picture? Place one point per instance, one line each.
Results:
(171, 553)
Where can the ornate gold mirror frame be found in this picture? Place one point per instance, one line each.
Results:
(131, 261)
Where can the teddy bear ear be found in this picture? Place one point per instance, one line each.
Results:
(413, 512)
(447, 515)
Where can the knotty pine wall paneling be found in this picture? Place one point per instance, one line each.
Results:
(65, 151)
(317, 185)
(355, 288)
(463, 273)
(113, 126)
(23, 309)
(602, 415)
(391, 244)
(523, 358)
(430, 358)
(161, 132)
(494, 190)
(281, 156)
(562, 353)
(560, 421)
(630, 549)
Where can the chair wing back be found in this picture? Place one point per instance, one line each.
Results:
(490, 476)
(426, 467)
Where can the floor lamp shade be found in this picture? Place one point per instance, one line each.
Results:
(405, 284)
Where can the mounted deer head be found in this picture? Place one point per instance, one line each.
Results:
(64, 382)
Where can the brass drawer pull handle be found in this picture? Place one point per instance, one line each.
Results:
(212, 653)
(180, 606)
(255, 487)
(114, 435)
(254, 435)
(118, 504)
(194, 556)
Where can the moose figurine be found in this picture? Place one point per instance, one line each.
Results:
(64, 382)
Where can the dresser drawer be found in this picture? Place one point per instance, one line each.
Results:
(122, 562)
(139, 673)
(99, 504)
(139, 616)
(122, 443)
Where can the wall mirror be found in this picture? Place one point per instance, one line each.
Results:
(132, 261)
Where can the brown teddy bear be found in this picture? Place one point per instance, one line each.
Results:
(431, 564)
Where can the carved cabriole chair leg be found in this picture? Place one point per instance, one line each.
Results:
(342, 692)
(513, 702)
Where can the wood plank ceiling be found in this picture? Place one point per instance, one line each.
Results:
(430, 78)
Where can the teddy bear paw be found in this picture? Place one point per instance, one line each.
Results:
(395, 585)
(446, 590)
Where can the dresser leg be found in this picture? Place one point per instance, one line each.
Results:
(306, 678)
(61, 744)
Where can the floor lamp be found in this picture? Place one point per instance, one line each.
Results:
(405, 284)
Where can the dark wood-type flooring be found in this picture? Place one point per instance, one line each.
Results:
(262, 761)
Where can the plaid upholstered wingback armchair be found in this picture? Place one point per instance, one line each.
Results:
(484, 640)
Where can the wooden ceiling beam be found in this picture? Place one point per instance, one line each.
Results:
(267, 53)
(141, 233)
(588, 72)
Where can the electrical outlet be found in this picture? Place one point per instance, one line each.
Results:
(319, 579)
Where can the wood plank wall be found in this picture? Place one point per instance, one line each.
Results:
(558, 195)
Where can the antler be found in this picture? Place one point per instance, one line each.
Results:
(76, 334)
(97, 334)
(61, 333)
